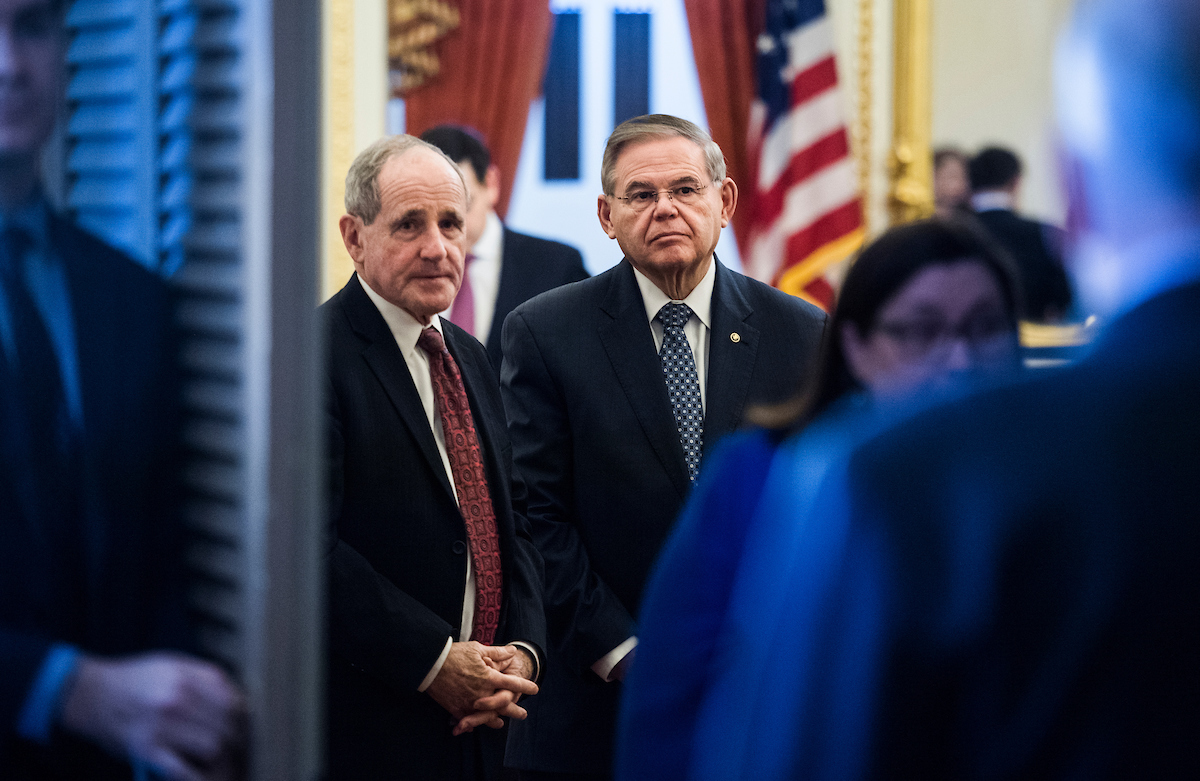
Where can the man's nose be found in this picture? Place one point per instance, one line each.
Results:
(664, 205)
(433, 244)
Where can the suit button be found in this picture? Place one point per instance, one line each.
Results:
(459, 547)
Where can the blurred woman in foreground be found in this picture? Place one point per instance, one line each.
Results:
(925, 307)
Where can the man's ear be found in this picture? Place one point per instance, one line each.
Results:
(604, 212)
(491, 182)
(729, 196)
(351, 228)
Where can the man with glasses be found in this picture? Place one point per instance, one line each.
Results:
(615, 388)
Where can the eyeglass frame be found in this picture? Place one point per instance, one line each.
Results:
(947, 335)
(671, 195)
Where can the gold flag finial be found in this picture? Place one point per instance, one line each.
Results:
(413, 27)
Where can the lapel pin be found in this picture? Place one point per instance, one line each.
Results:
(735, 337)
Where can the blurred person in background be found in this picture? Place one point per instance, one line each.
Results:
(951, 184)
(925, 307)
(1036, 247)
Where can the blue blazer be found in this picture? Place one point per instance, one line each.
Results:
(715, 595)
(595, 439)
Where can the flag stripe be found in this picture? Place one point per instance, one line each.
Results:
(829, 228)
(822, 192)
(808, 45)
(815, 80)
(802, 127)
(824, 152)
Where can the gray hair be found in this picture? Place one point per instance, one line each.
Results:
(652, 126)
(362, 180)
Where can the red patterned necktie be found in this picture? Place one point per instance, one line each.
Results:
(462, 313)
(470, 482)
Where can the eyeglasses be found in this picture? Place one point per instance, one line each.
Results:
(640, 200)
(923, 337)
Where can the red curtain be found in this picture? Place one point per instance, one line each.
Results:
(723, 42)
(491, 68)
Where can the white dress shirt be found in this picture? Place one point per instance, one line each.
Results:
(484, 274)
(697, 330)
(991, 200)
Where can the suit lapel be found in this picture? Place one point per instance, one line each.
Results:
(730, 362)
(383, 357)
(625, 334)
(506, 295)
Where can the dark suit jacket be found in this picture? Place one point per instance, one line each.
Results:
(398, 551)
(1017, 591)
(594, 436)
(106, 578)
(1037, 250)
(528, 266)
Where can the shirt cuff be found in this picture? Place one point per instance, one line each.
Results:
(607, 663)
(437, 666)
(538, 664)
(42, 705)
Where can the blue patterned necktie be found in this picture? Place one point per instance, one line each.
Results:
(683, 383)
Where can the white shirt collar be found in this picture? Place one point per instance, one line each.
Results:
(405, 328)
(990, 200)
(699, 300)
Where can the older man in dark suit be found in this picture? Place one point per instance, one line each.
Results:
(615, 388)
(91, 592)
(435, 619)
(1007, 587)
(505, 268)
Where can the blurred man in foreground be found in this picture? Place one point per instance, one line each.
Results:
(1007, 587)
(91, 560)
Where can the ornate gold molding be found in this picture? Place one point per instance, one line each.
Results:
(865, 101)
(338, 142)
(413, 27)
(910, 167)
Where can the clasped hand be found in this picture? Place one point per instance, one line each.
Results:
(480, 684)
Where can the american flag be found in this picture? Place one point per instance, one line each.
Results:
(806, 210)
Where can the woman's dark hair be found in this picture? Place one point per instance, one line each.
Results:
(878, 274)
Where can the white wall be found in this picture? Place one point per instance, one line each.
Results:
(991, 85)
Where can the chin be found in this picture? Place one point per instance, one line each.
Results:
(675, 258)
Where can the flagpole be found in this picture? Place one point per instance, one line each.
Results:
(910, 164)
